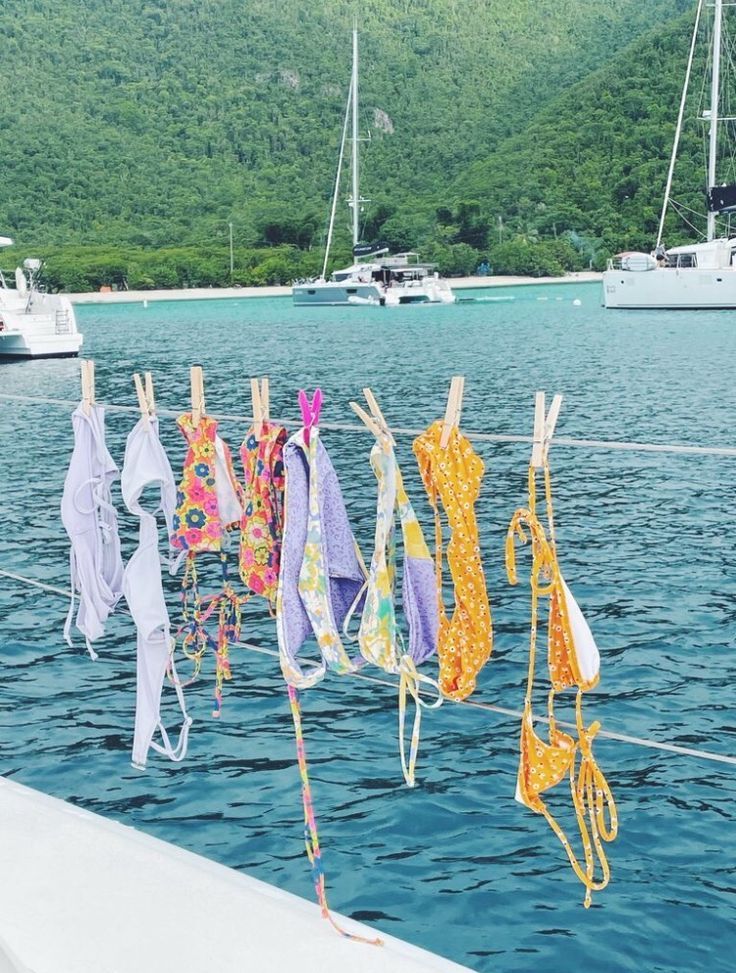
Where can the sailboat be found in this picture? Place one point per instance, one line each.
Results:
(696, 275)
(375, 277)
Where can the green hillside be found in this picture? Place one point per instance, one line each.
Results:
(150, 123)
(594, 160)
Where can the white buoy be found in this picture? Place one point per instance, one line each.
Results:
(145, 302)
(577, 302)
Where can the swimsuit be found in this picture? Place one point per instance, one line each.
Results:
(91, 522)
(573, 661)
(209, 505)
(262, 523)
(322, 577)
(379, 637)
(452, 476)
(146, 464)
(321, 583)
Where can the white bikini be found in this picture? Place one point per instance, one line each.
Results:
(91, 522)
(146, 465)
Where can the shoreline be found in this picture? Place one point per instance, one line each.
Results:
(222, 293)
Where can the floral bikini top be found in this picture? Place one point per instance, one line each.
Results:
(573, 661)
(209, 497)
(262, 523)
(452, 478)
(209, 504)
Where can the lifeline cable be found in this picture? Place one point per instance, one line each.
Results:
(405, 431)
(477, 704)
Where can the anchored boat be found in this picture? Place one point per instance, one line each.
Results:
(34, 324)
(696, 275)
(375, 277)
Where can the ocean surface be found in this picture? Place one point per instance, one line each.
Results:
(647, 543)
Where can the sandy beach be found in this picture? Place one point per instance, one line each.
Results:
(219, 293)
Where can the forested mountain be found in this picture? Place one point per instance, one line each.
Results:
(595, 159)
(142, 124)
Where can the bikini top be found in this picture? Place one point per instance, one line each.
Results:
(321, 583)
(147, 465)
(322, 578)
(379, 637)
(209, 500)
(262, 523)
(91, 522)
(452, 478)
(573, 661)
(209, 505)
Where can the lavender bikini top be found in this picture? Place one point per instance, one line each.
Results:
(322, 578)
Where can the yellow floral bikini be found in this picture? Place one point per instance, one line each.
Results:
(573, 660)
(452, 476)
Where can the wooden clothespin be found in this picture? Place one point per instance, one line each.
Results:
(88, 384)
(196, 379)
(261, 407)
(378, 415)
(150, 398)
(370, 422)
(453, 410)
(142, 401)
(544, 427)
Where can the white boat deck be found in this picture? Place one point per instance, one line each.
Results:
(81, 894)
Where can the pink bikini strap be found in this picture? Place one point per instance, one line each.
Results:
(310, 410)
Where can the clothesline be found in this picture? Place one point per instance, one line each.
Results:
(559, 441)
(476, 704)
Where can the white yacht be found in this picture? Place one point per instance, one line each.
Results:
(696, 275)
(374, 277)
(378, 278)
(34, 324)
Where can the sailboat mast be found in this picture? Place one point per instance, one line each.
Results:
(715, 88)
(678, 127)
(354, 160)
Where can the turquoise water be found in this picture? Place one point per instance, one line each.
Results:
(647, 544)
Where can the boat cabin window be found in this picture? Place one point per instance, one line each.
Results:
(686, 260)
(351, 290)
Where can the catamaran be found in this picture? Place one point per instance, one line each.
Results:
(696, 275)
(34, 324)
(375, 277)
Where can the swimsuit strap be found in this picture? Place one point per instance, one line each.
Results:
(410, 681)
(229, 607)
(175, 753)
(311, 836)
(195, 639)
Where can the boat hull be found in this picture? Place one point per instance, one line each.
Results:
(44, 327)
(336, 294)
(354, 294)
(670, 288)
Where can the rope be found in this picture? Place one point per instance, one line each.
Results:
(406, 431)
(475, 703)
